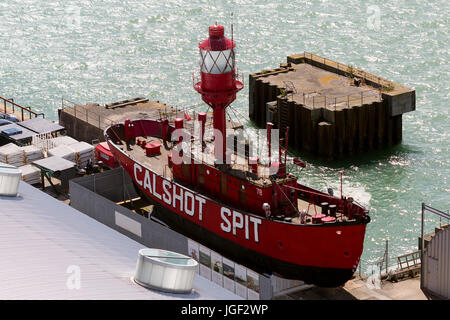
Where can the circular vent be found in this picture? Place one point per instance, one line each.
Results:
(165, 271)
(9, 180)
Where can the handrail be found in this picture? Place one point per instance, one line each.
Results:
(23, 109)
(99, 119)
(376, 79)
(323, 103)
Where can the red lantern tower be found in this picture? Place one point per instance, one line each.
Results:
(218, 85)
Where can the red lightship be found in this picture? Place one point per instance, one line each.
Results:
(255, 215)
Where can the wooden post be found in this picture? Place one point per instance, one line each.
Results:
(325, 139)
(350, 129)
(340, 126)
(296, 127)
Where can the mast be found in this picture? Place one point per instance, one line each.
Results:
(218, 85)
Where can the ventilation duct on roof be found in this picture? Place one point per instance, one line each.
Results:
(165, 271)
(9, 180)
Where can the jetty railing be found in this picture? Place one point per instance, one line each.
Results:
(381, 82)
(83, 113)
(405, 265)
(312, 99)
(11, 104)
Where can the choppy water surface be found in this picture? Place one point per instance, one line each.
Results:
(104, 51)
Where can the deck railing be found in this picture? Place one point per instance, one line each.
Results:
(22, 109)
(312, 99)
(381, 82)
(83, 113)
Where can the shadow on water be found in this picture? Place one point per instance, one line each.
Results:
(364, 159)
(346, 161)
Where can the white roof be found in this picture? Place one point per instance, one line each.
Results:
(61, 151)
(10, 149)
(81, 147)
(41, 239)
(63, 140)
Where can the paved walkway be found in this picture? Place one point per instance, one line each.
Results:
(357, 289)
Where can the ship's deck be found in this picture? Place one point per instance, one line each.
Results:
(159, 164)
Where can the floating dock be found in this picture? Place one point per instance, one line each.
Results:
(332, 109)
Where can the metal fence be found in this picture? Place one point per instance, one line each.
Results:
(381, 82)
(83, 113)
(316, 101)
(9, 103)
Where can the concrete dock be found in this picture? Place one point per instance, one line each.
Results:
(357, 289)
(87, 122)
(331, 109)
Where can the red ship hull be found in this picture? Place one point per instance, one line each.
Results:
(324, 254)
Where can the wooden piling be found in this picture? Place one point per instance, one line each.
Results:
(397, 129)
(350, 130)
(259, 101)
(371, 123)
(339, 127)
(325, 139)
(291, 117)
(297, 129)
(362, 127)
(266, 98)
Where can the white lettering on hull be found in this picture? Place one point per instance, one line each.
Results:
(238, 222)
(178, 197)
(189, 203)
(185, 201)
(167, 195)
(225, 225)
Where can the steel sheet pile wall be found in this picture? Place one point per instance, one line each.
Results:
(330, 131)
